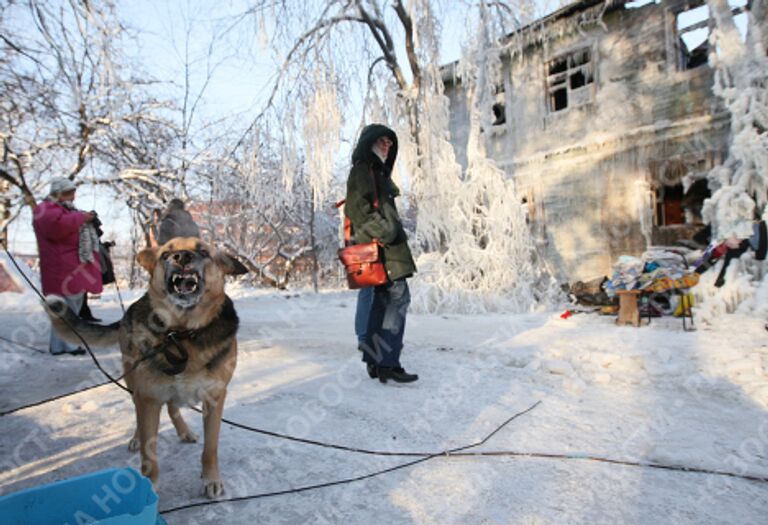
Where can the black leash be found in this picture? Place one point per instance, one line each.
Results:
(80, 337)
(600, 459)
(22, 345)
(461, 452)
(178, 363)
(119, 297)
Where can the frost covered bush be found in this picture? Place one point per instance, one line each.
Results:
(740, 185)
(477, 253)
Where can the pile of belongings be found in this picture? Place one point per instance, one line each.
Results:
(589, 293)
(663, 273)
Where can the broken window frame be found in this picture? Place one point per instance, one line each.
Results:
(681, 58)
(562, 80)
(668, 190)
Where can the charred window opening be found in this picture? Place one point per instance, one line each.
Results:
(676, 206)
(693, 201)
(499, 114)
(578, 80)
(693, 28)
(569, 80)
(680, 187)
(559, 99)
(499, 108)
(669, 205)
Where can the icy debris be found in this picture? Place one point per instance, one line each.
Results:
(555, 366)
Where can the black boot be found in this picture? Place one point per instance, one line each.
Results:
(398, 375)
(372, 370)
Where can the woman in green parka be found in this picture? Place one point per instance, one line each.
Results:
(370, 207)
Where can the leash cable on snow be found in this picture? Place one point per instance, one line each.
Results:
(422, 456)
(22, 345)
(111, 379)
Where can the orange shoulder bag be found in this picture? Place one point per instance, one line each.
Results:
(363, 262)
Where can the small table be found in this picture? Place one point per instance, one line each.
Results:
(628, 312)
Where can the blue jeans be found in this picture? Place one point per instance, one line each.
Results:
(363, 312)
(58, 345)
(386, 324)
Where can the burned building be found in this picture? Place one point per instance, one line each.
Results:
(607, 122)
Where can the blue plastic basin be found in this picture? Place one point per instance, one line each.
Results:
(117, 496)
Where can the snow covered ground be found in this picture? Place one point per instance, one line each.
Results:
(651, 394)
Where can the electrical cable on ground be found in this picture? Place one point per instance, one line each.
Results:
(422, 456)
(51, 399)
(445, 453)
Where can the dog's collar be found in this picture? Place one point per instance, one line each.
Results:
(178, 363)
(223, 326)
(180, 335)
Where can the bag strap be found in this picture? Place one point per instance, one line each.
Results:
(375, 190)
(347, 222)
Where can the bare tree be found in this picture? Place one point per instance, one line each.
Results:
(69, 107)
(274, 230)
(388, 54)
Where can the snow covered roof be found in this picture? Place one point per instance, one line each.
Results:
(449, 70)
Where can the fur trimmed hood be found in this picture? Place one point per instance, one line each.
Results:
(368, 136)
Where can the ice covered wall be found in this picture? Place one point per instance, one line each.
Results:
(322, 134)
(587, 172)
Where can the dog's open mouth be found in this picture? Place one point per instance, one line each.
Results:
(185, 283)
(184, 288)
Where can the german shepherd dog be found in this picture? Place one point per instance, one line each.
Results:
(178, 346)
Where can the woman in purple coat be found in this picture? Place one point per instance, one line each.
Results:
(67, 244)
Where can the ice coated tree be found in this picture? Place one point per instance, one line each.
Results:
(69, 108)
(482, 255)
(740, 185)
(275, 231)
(469, 232)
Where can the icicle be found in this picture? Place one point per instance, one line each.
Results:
(322, 134)
(263, 34)
(644, 209)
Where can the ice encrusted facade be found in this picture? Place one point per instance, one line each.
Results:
(607, 122)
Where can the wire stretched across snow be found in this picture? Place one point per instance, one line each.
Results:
(422, 456)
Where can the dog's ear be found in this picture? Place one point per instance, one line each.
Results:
(147, 258)
(229, 265)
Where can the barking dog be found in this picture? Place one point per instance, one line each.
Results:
(178, 346)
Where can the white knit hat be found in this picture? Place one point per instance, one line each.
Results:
(60, 185)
